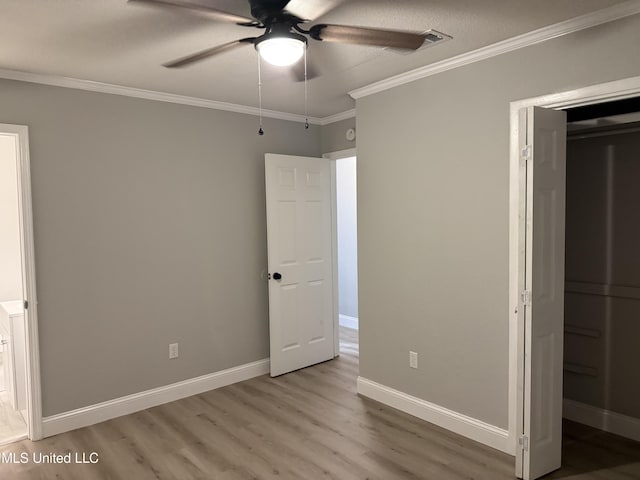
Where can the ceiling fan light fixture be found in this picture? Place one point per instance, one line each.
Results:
(282, 51)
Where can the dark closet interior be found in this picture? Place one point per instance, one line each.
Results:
(602, 276)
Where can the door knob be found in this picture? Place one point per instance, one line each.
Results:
(277, 276)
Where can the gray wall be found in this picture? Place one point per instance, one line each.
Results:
(347, 237)
(433, 198)
(149, 229)
(10, 265)
(602, 293)
(333, 136)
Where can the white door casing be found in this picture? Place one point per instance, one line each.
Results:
(299, 242)
(542, 300)
(334, 157)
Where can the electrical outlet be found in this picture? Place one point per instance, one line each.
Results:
(413, 359)
(173, 350)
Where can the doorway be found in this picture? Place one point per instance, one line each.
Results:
(344, 186)
(602, 275)
(347, 254)
(522, 297)
(20, 411)
(304, 198)
(13, 388)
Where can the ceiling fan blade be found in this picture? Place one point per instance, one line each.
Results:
(208, 11)
(367, 36)
(311, 9)
(209, 52)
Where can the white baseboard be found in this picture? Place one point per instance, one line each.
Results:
(602, 419)
(347, 321)
(118, 407)
(477, 430)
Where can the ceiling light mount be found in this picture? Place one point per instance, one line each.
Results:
(280, 46)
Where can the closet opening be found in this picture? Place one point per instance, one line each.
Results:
(602, 277)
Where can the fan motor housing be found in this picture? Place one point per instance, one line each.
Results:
(267, 10)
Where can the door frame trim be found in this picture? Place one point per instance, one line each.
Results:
(605, 92)
(25, 211)
(333, 157)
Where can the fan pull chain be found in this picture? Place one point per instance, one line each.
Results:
(306, 95)
(260, 130)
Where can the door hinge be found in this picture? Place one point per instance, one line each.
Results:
(26, 304)
(525, 296)
(526, 153)
(523, 443)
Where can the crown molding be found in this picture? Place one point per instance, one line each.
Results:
(616, 12)
(338, 117)
(91, 86)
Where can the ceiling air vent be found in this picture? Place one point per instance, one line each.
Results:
(431, 38)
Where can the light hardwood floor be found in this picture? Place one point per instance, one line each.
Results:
(309, 425)
(12, 425)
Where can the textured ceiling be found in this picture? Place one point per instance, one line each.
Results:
(125, 44)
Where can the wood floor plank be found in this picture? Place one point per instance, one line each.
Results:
(310, 424)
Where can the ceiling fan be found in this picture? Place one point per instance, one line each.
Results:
(284, 40)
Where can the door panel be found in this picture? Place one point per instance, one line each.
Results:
(544, 280)
(298, 197)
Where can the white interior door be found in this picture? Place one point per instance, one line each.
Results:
(301, 324)
(542, 301)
